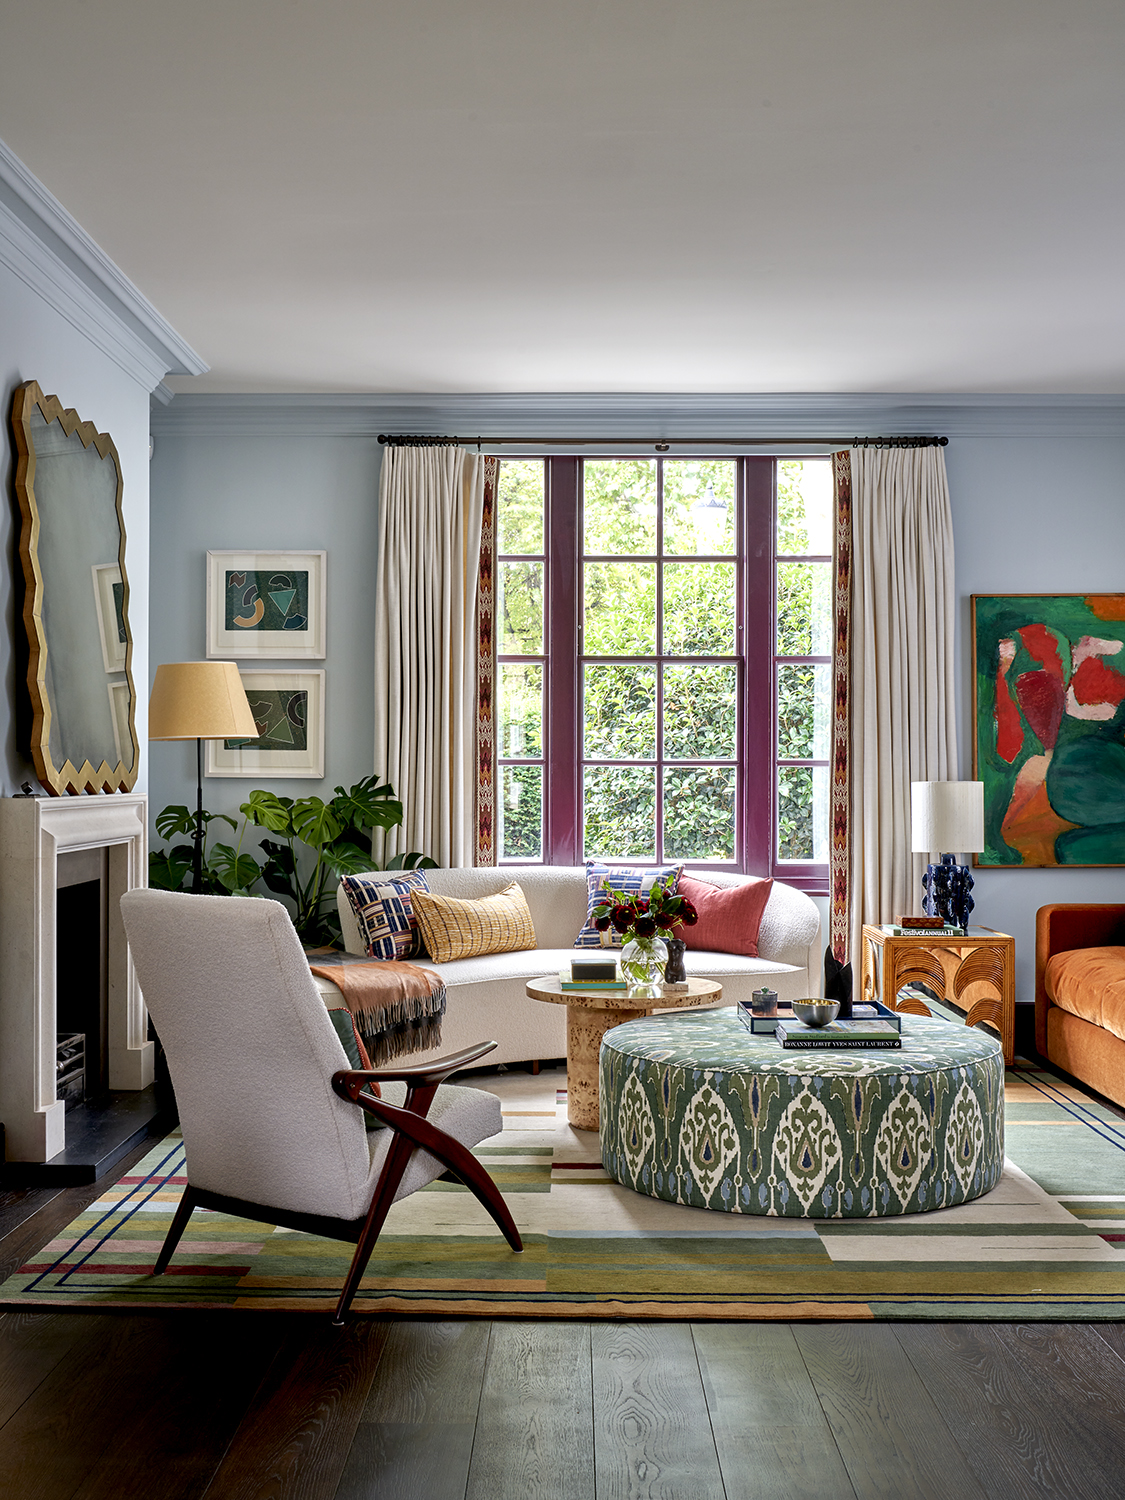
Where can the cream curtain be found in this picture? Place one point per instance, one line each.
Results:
(430, 506)
(900, 719)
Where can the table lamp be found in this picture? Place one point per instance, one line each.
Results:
(947, 815)
(199, 700)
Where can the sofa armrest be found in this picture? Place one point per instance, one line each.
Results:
(1060, 928)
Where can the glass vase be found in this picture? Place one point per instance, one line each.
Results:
(642, 964)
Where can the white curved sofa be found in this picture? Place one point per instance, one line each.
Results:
(486, 999)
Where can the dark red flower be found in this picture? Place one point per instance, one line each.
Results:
(645, 926)
(622, 919)
(601, 923)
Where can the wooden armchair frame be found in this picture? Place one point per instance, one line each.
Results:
(412, 1130)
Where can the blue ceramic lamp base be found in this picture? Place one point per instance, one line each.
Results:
(948, 888)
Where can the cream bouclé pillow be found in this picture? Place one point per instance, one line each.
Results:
(452, 928)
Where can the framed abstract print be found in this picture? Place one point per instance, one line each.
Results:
(1049, 727)
(266, 604)
(288, 709)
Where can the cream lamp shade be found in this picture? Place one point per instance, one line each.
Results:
(199, 700)
(947, 816)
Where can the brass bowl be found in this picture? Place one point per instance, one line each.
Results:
(816, 1012)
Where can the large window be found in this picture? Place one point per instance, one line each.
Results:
(653, 704)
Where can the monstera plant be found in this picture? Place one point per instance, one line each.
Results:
(313, 843)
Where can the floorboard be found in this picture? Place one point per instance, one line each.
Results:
(295, 1438)
(771, 1434)
(1014, 1432)
(414, 1440)
(652, 1434)
(892, 1437)
(31, 1345)
(535, 1431)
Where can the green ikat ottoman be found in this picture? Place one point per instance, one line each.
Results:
(696, 1110)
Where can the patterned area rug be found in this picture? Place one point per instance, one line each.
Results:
(1047, 1243)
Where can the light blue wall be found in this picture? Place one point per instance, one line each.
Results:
(275, 492)
(1033, 515)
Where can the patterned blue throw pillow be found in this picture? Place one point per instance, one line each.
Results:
(387, 925)
(631, 881)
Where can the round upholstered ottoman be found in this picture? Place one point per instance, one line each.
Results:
(697, 1110)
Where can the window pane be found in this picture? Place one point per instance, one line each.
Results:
(804, 507)
(700, 712)
(620, 609)
(699, 812)
(519, 506)
(699, 506)
(802, 812)
(619, 712)
(698, 609)
(520, 726)
(804, 609)
(804, 712)
(519, 629)
(619, 812)
(521, 812)
(619, 506)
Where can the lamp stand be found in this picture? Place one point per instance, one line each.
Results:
(197, 855)
(947, 888)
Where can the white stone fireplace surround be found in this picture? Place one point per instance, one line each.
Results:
(34, 831)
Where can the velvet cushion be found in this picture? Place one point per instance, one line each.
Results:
(352, 1043)
(384, 912)
(631, 882)
(453, 928)
(1090, 984)
(729, 916)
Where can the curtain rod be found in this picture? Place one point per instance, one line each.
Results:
(661, 445)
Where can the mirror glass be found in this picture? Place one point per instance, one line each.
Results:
(76, 608)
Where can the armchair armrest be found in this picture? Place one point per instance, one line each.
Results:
(422, 1075)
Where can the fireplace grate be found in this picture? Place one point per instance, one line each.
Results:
(70, 1067)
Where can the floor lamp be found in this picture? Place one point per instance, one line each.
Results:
(199, 700)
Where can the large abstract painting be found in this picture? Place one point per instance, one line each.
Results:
(1049, 727)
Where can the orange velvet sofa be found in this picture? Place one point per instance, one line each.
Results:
(1080, 993)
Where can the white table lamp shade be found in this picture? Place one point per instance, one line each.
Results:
(947, 817)
(199, 700)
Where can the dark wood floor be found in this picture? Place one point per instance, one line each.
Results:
(269, 1406)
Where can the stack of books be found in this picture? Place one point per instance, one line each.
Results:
(569, 983)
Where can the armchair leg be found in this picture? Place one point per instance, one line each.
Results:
(176, 1229)
(465, 1167)
(393, 1168)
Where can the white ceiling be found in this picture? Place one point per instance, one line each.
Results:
(597, 195)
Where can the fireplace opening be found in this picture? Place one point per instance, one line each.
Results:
(81, 978)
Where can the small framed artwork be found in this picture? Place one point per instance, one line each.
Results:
(1048, 727)
(265, 604)
(288, 709)
(109, 601)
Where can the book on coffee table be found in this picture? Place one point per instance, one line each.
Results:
(796, 1036)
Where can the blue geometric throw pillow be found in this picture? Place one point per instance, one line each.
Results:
(631, 882)
(383, 913)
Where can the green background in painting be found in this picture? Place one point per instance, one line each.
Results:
(285, 713)
(269, 581)
(1086, 780)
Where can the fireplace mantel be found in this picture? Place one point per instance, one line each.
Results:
(34, 831)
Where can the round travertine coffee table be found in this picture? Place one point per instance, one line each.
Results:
(589, 1015)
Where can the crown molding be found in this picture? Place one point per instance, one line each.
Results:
(644, 416)
(42, 244)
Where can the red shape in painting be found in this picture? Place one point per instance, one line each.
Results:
(1009, 728)
(1042, 647)
(1043, 700)
(1094, 682)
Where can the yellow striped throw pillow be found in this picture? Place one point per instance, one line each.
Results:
(452, 928)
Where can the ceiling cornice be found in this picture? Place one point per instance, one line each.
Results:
(641, 415)
(51, 253)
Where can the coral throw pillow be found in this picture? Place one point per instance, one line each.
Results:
(452, 928)
(729, 915)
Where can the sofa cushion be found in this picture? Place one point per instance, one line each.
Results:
(452, 928)
(1090, 984)
(384, 912)
(729, 916)
(630, 880)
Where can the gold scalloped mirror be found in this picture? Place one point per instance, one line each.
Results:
(76, 605)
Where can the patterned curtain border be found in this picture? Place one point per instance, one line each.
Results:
(840, 856)
(486, 673)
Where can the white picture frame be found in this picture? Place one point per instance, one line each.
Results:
(107, 576)
(266, 692)
(239, 613)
